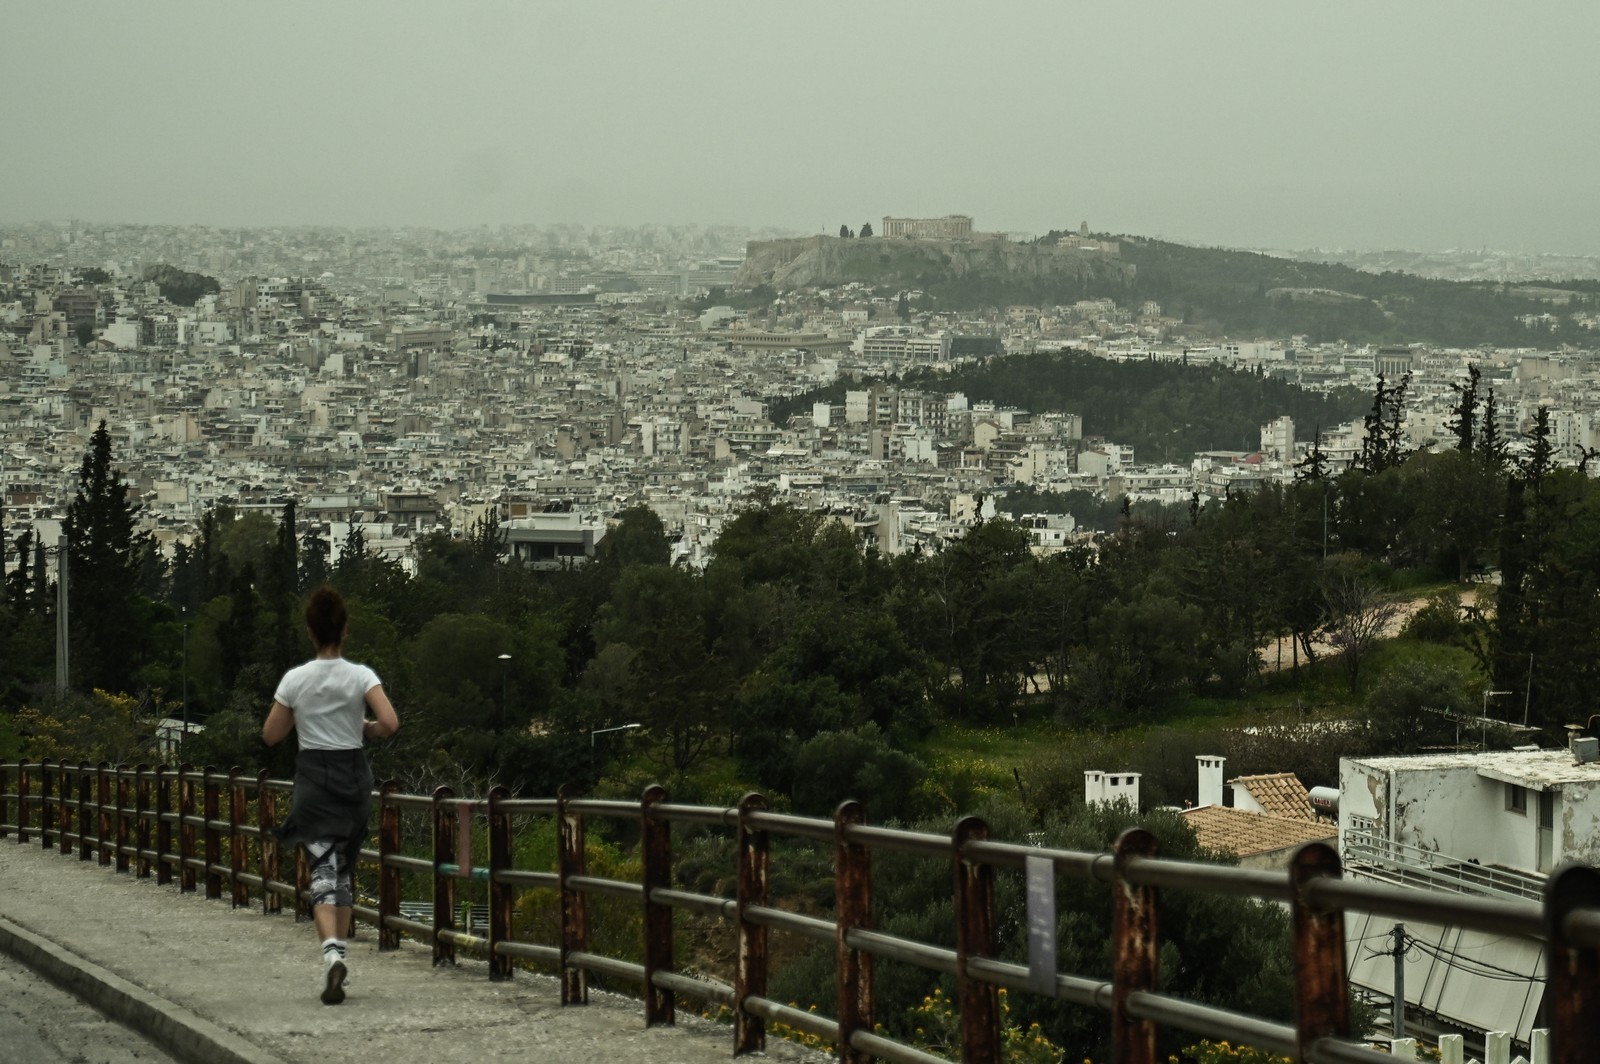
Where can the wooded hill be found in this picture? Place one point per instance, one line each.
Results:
(1165, 410)
(1245, 293)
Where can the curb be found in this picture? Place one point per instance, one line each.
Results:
(174, 1029)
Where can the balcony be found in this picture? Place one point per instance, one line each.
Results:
(1367, 853)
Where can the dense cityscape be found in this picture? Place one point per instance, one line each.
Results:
(403, 381)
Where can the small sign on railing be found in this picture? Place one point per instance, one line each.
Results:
(1041, 874)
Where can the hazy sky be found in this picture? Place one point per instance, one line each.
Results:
(1414, 124)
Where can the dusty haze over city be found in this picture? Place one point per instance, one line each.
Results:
(1426, 125)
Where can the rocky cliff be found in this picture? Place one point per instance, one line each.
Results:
(827, 260)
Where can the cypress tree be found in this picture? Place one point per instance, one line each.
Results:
(103, 554)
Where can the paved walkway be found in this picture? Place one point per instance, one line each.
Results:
(231, 986)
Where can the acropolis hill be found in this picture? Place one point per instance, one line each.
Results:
(825, 260)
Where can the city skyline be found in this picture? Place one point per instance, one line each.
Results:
(1239, 124)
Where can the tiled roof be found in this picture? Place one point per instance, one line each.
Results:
(1279, 794)
(1246, 833)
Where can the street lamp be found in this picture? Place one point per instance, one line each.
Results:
(602, 731)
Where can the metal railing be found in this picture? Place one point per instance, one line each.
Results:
(193, 824)
(1401, 862)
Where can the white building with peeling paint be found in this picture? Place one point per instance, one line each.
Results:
(1492, 824)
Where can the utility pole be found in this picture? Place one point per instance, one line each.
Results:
(1399, 954)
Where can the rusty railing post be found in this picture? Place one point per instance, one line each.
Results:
(105, 839)
(388, 875)
(975, 937)
(1323, 1005)
(122, 833)
(238, 849)
(63, 809)
(46, 792)
(267, 822)
(444, 886)
(852, 877)
(655, 844)
(24, 785)
(302, 885)
(213, 836)
(85, 810)
(750, 972)
(502, 896)
(163, 825)
(1133, 947)
(5, 797)
(573, 861)
(186, 836)
(1573, 970)
(141, 820)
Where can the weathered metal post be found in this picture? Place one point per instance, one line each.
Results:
(1134, 951)
(572, 861)
(64, 809)
(267, 822)
(24, 782)
(123, 806)
(5, 797)
(502, 896)
(975, 937)
(186, 837)
(655, 834)
(444, 886)
(85, 809)
(46, 792)
(388, 875)
(750, 972)
(213, 836)
(852, 879)
(163, 825)
(1573, 970)
(1323, 997)
(105, 839)
(141, 820)
(238, 848)
(302, 885)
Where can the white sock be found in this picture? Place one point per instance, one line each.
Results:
(333, 949)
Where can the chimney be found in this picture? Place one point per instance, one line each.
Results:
(1123, 786)
(1210, 779)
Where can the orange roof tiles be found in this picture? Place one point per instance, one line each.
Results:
(1246, 833)
(1279, 794)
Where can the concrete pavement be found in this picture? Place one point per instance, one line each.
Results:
(214, 984)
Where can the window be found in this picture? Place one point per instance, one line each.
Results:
(1516, 799)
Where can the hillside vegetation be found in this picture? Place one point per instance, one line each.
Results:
(1214, 290)
(1165, 410)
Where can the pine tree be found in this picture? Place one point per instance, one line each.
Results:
(352, 557)
(1314, 466)
(1463, 422)
(103, 555)
(17, 581)
(866, 229)
(313, 560)
(1490, 443)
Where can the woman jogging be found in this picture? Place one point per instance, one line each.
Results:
(326, 700)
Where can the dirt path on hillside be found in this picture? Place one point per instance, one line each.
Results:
(1278, 654)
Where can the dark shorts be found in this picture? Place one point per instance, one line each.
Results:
(332, 800)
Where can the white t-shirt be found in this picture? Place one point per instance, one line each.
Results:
(329, 699)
